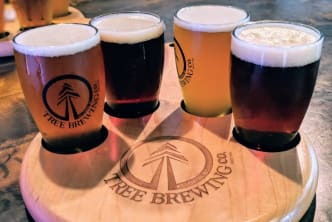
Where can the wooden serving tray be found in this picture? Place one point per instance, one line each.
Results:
(169, 166)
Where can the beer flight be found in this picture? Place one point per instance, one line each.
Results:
(262, 72)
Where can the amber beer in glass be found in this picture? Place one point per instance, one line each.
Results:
(61, 72)
(133, 49)
(33, 13)
(202, 37)
(274, 67)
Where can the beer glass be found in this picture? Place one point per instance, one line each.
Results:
(60, 8)
(202, 37)
(133, 49)
(33, 13)
(63, 82)
(274, 66)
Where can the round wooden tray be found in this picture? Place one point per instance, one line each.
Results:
(169, 166)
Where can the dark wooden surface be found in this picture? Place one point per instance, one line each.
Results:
(17, 128)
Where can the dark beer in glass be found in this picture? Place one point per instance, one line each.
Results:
(62, 75)
(274, 66)
(133, 49)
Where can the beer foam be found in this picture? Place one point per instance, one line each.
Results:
(210, 18)
(277, 44)
(128, 27)
(56, 40)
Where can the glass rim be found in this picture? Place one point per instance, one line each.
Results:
(29, 49)
(319, 34)
(43, 26)
(106, 14)
(246, 18)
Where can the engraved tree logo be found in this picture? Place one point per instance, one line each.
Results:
(165, 155)
(66, 96)
(166, 161)
(59, 96)
(180, 60)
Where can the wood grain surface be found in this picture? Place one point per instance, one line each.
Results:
(169, 166)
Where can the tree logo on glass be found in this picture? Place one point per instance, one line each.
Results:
(184, 67)
(73, 97)
(168, 170)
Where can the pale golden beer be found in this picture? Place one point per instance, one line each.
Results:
(63, 81)
(202, 37)
(33, 13)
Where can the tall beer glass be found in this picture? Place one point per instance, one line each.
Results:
(202, 36)
(274, 67)
(133, 48)
(61, 72)
(33, 13)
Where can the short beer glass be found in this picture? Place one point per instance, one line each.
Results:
(274, 65)
(61, 72)
(133, 49)
(60, 8)
(202, 38)
(33, 13)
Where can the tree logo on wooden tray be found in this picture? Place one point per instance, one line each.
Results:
(169, 169)
(171, 162)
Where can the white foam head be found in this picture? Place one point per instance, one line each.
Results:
(128, 27)
(277, 43)
(210, 18)
(57, 40)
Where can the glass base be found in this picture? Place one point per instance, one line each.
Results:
(183, 106)
(65, 14)
(82, 144)
(267, 142)
(4, 34)
(6, 59)
(133, 110)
